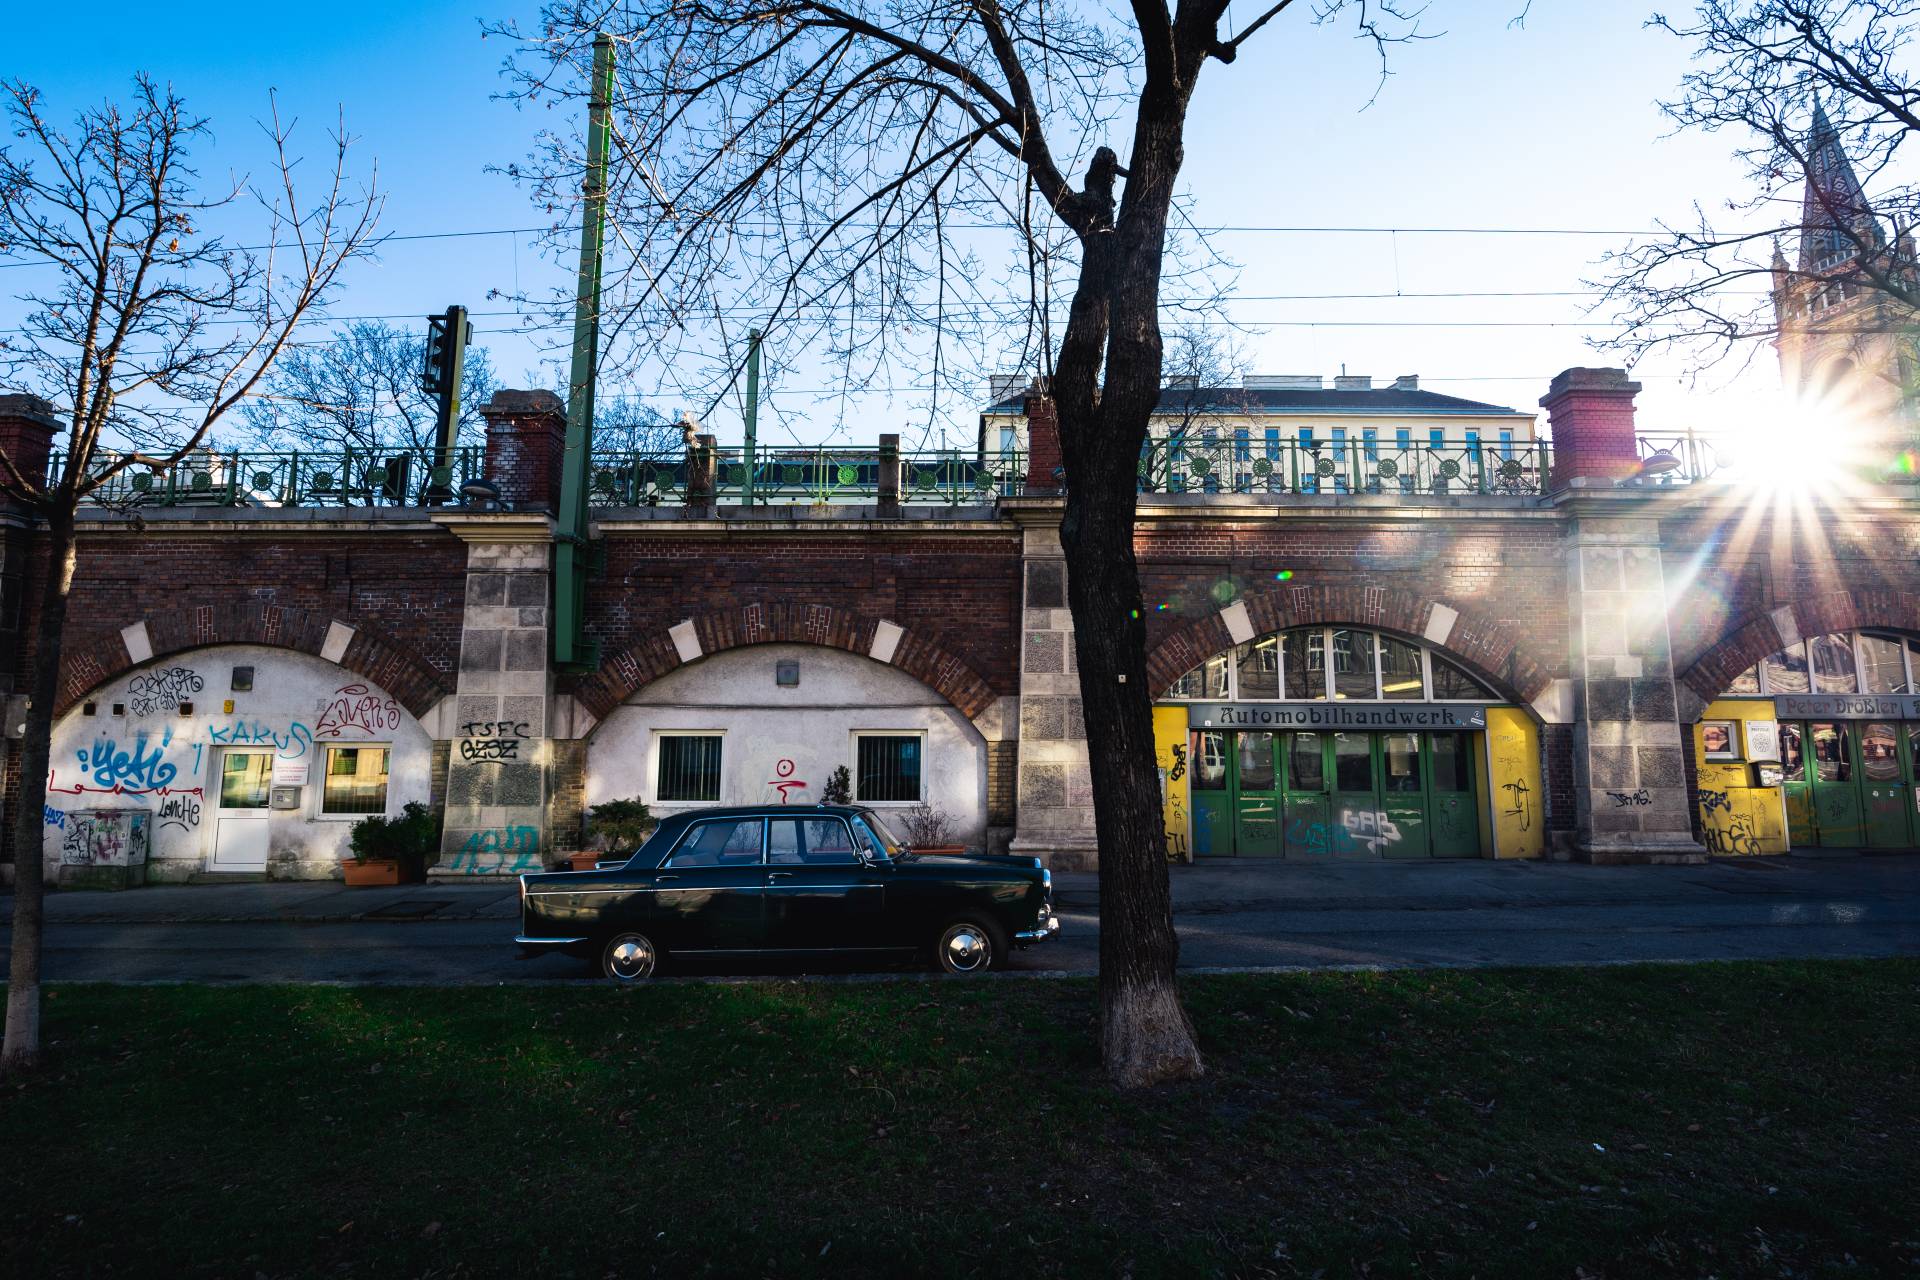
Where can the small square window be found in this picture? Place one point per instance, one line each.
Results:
(887, 768)
(356, 780)
(90, 709)
(119, 708)
(242, 680)
(689, 769)
(786, 673)
(186, 708)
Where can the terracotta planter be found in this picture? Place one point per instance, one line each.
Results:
(374, 871)
(584, 861)
(938, 848)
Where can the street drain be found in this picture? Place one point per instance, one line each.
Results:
(408, 909)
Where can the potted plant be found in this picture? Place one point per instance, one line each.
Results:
(838, 789)
(392, 850)
(615, 829)
(929, 830)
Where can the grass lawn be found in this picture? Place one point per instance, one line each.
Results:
(1716, 1120)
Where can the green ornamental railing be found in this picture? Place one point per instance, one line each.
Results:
(1207, 463)
(319, 478)
(819, 476)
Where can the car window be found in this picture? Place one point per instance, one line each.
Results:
(828, 843)
(783, 842)
(719, 844)
(868, 839)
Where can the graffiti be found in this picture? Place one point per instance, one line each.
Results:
(495, 729)
(162, 690)
(1714, 801)
(1368, 829)
(1179, 769)
(290, 745)
(1358, 831)
(55, 817)
(353, 707)
(1521, 795)
(1626, 799)
(104, 840)
(1738, 836)
(181, 811)
(501, 851)
(786, 782)
(120, 770)
(489, 750)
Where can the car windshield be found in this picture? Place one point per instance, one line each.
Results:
(892, 842)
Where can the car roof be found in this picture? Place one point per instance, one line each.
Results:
(765, 811)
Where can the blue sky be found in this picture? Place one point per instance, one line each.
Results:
(1549, 125)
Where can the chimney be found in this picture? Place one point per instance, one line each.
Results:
(27, 429)
(1590, 414)
(1354, 382)
(526, 439)
(1043, 443)
(1281, 382)
(1407, 382)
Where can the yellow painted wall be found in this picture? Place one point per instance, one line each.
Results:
(1519, 798)
(1170, 753)
(1737, 817)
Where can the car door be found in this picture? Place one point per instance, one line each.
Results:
(821, 895)
(709, 894)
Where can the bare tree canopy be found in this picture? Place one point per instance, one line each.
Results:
(149, 330)
(864, 180)
(1820, 103)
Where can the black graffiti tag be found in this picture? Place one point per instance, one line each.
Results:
(162, 690)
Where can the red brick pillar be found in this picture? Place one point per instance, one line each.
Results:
(27, 429)
(1590, 413)
(1046, 473)
(526, 442)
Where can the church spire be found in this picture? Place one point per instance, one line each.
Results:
(1833, 203)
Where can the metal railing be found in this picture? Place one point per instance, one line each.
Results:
(1196, 464)
(823, 476)
(318, 478)
(1679, 459)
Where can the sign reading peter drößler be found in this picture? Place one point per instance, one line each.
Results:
(1335, 715)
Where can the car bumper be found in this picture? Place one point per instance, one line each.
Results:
(539, 946)
(1041, 934)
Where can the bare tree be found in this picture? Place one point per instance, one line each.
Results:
(856, 175)
(1819, 97)
(360, 388)
(150, 328)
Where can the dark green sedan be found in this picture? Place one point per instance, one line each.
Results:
(789, 881)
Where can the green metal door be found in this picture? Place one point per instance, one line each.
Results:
(1256, 795)
(1796, 791)
(1353, 832)
(1883, 786)
(1451, 797)
(1913, 785)
(1211, 795)
(1402, 828)
(1837, 820)
(1306, 800)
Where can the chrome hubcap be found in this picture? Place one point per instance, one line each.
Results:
(965, 949)
(631, 958)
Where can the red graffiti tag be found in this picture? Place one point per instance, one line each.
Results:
(354, 708)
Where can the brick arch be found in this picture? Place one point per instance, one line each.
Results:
(1760, 634)
(782, 622)
(1489, 649)
(414, 685)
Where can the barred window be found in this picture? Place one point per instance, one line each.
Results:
(689, 769)
(887, 767)
(356, 780)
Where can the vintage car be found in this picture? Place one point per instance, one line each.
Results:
(786, 880)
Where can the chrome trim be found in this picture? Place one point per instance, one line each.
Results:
(546, 942)
(1041, 934)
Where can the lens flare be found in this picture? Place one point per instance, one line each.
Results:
(1283, 575)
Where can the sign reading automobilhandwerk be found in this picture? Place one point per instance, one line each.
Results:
(1335, 715)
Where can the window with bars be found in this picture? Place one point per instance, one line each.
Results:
(887, 767)
(356, 780)
(1314, 664)
(689, 769)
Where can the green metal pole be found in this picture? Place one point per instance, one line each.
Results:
(570, 548)
(753, 410)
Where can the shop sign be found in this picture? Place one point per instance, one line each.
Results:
(289, 773)
(1845, 706)
(1335, 715)
(1763, 739)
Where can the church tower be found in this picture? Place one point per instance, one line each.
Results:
(1845, 346)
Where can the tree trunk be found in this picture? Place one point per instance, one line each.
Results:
(22, 1047)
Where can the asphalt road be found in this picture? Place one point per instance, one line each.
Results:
(1229, 917)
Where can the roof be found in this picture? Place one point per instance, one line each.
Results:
(1290, 400)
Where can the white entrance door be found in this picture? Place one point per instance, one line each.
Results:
(240, 815)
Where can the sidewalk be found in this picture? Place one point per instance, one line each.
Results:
(1209, 888)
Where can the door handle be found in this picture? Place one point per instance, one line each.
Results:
(779, 875)
(664, 879)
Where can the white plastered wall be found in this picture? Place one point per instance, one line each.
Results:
(811, 727)
(167, 763)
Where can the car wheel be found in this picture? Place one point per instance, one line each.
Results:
(968, 947)
(629, 957)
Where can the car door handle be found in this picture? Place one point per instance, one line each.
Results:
(779, 875)
(664, 879)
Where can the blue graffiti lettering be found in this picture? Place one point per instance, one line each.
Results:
(55, 817)
(505, 850)
(138, 770)
(290, 745)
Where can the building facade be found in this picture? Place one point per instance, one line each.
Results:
(1610, 653)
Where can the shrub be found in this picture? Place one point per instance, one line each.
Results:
(620, 824)
(926, 827)
(839, 788)
(409, 839)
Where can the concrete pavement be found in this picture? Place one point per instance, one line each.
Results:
(1230, 915)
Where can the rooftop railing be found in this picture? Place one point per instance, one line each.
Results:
(1195, 464)
(348, 477)
(817, 477)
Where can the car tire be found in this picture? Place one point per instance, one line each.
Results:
(969, 945)
(629, 957)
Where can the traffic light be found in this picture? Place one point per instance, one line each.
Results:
(447, 338)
